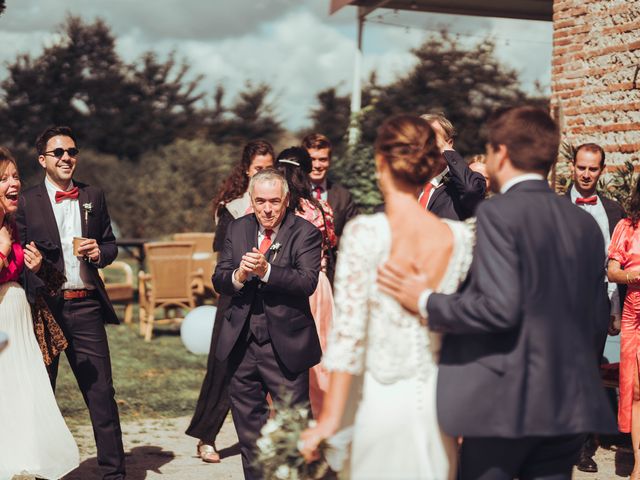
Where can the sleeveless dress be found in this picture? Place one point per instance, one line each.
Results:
(393, 358)
(34, 439)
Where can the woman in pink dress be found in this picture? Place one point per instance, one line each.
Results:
(624, 268)
(295, 164)
(34, 439)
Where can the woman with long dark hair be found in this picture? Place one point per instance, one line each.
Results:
(295, 164)
(624, 268)
(230, 203)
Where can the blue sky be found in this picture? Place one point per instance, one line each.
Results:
(294, 45)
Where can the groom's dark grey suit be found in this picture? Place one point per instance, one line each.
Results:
(518, 364)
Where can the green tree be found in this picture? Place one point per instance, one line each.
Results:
(2, 6)
(251, 116)
(80, 81)
(466, 84)
(167, 191)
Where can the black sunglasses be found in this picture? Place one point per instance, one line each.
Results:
(59, 152)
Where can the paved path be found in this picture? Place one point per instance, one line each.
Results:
(159, 449)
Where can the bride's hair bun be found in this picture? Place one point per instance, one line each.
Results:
(408, 145)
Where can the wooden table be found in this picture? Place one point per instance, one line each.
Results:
(135, 248)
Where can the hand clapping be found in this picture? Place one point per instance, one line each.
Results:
(252, 262)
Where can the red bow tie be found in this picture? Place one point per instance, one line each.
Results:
(70, 194)
(592, 200)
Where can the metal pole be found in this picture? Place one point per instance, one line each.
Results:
(356, 92)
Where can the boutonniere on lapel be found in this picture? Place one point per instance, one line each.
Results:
(275, 248)
(87, 210)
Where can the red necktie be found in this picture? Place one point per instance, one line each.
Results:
(70, 194)
(266, 242)
(318, 191)
(424, 199)
(592, 200)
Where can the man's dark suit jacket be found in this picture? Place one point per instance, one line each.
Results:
(285, 297)
(36, 222)
(344, 208)
(518, 356)
(461, 191)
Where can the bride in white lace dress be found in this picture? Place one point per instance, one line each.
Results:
(383, 360)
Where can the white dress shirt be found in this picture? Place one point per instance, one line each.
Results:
(68, 219)
(424, 296)
(599, 214)
(265, 278)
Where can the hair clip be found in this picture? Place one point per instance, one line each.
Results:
(289, 160)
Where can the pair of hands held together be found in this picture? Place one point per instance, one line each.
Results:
(252, 263)
(32, 256)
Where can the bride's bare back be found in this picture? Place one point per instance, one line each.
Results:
(419, 241)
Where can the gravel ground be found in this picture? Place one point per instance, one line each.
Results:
(159, 449)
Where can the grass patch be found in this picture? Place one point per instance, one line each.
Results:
(158, 379)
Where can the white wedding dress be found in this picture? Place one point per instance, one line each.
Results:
(393, 358)
(34, 439)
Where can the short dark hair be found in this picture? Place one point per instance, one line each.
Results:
(316, 140)
(49, 133)
(590, 147)
(530, 135)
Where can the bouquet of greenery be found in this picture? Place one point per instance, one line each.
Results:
(277, 451)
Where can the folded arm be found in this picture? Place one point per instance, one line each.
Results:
(471, 186)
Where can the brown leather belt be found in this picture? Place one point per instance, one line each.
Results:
(75, 294)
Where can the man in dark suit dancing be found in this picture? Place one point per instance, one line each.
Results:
(268, 333)
(51, 214)
(518, 376)
(588, 166)
(457, 190)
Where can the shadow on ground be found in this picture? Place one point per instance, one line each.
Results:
(140, 461)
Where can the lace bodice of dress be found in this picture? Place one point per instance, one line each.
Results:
(370, 329)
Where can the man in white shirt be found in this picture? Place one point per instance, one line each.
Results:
(588, 166)
(52, 214)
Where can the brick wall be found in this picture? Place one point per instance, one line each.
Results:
(595, 78)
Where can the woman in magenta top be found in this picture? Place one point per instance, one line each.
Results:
(624, 268)
(34, 439)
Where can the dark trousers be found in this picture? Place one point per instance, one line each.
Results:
(213, 402)
(529, 458)
(88, 356)
(256, 371)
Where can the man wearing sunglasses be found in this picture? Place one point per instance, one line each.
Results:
(52, 214)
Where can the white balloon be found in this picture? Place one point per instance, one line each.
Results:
(196, 329)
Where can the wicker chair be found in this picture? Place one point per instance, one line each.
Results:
(171, 284)
(204, 257)
(120, 291)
